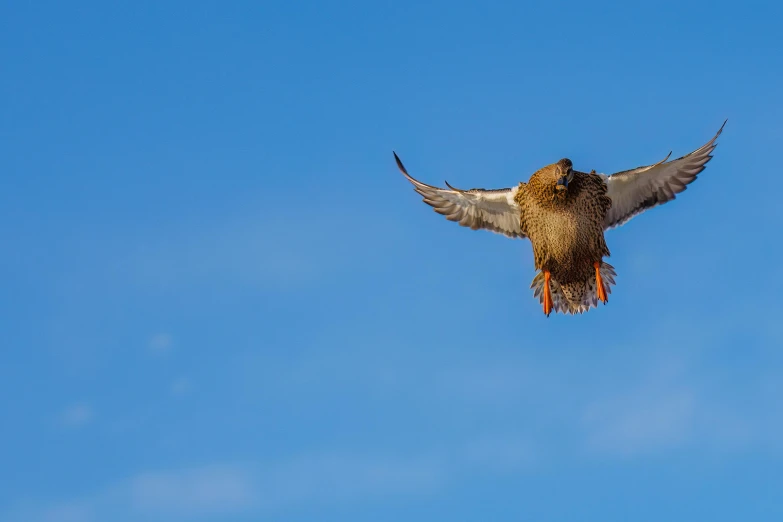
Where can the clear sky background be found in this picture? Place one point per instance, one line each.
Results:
(220, 300)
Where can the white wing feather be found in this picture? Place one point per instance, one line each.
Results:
(493, 210)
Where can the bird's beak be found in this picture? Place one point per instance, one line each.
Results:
(562, 184)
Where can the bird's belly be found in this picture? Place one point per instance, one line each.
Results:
(564, 243)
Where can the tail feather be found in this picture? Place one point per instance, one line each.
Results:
(584, 295)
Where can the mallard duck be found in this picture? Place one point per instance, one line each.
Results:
(564, 213)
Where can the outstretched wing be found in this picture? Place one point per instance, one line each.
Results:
(634, 191)
(493, 210)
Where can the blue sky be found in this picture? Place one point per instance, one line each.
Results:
(221, 301)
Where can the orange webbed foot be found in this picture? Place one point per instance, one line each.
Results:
(599, 283)
(548, 303)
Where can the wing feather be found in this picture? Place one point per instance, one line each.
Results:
(636, 190)
(494, 210)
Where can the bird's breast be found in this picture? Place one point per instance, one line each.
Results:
(562, 237)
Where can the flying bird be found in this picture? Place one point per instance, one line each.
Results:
(565, 213)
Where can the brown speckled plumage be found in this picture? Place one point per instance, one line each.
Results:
(566, 230)
(564, 213)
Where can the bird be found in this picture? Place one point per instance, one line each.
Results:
(565, 213)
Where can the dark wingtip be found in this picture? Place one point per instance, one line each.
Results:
(399, 163)
(715, 138)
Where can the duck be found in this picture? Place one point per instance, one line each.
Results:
(565, 214)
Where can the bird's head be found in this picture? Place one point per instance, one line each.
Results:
(564, 173)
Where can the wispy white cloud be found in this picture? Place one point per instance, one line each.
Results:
(211, 490)
(645, 421)
(339, 478)
(76, 415)
(316, 480)
(663, 395)
(160, 344)
(68, 512)
(180, 387)
(655, 408)
(257, 250)
(250, 251)
(335, 477)
(186, 494)
(675, 405)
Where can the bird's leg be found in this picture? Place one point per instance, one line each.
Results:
(600, 289)
(548, 304)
